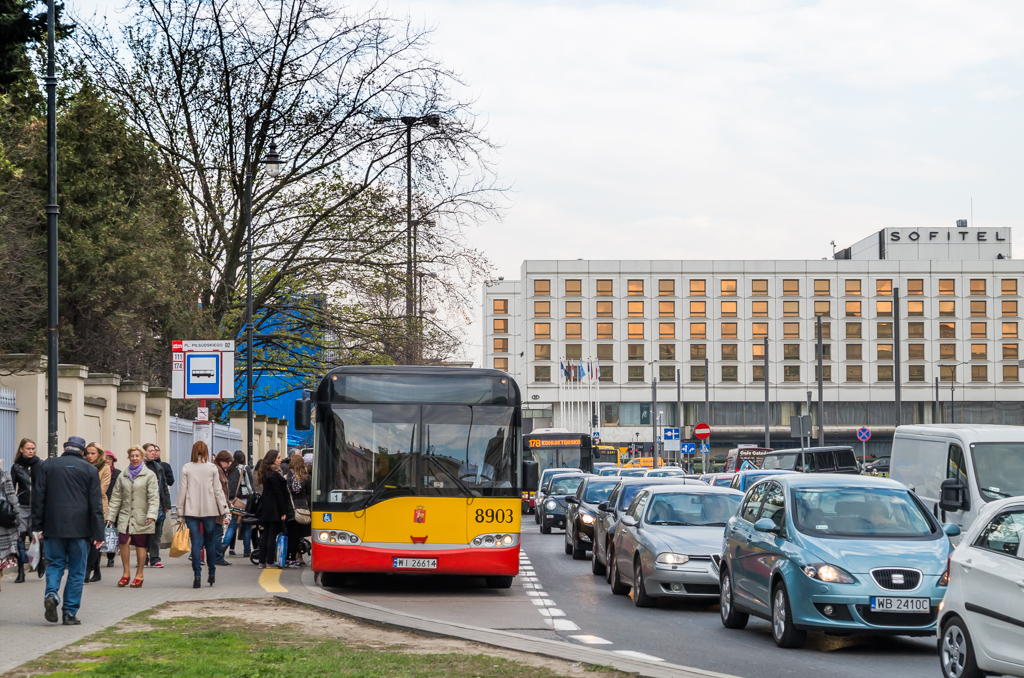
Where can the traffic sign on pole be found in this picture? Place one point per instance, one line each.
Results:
(689, 448)
(702, 431)
(863, 434)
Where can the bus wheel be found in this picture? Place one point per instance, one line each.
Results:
(332, 580)
(499, 582)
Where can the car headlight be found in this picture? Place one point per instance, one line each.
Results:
(586, 519)
(829, 574)
(551, 504)
(672, 559)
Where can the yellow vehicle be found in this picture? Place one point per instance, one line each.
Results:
(416, 470)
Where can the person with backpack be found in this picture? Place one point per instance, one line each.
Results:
(275, 506)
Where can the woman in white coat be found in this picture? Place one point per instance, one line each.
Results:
(201, 502)
(134, 506)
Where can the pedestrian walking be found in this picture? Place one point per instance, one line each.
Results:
(10, 556)
(134, 505)
(222, 461)
(275, 506)
(67, 507)
(240, 488)
(23, 473)
(114, 473)
(96, 456)
(165, 478)
(201, 501)
(300, 487)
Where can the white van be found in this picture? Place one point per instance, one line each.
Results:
(957, 468)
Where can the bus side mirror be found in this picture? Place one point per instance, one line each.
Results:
(304, 412)
(586, 454)
(953, 496)
(531, 474)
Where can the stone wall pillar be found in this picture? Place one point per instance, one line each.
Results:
(28, 380)
(101, 399)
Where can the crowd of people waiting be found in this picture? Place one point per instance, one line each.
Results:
(62, 514)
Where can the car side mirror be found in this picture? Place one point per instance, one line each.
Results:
(603, 506)
(304, 412)
(953, 496)
(628, 520)
(951, 529)
(531, 477)
(767, 525)
(571, 500)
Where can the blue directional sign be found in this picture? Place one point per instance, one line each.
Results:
(689, 448)
(864, 434)
(671, 434)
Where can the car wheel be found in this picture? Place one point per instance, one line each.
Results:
(731, 617)
(783, 632)
(596, 566)
(579, 552)
(536, 516)
(618, 588)
(956, 653)
(499, 582)
(568, 546)
(640, 597)
(544, 529)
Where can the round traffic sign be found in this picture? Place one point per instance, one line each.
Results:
(702, 431)
(863, 434)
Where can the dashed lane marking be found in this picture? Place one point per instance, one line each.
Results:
(638, 655)
(564, 625)
(591, 640)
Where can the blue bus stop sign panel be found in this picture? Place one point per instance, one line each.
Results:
(202, 374)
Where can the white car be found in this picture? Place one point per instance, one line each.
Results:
(981, 619)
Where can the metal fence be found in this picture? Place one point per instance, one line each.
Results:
(224, 438)
(8, 438)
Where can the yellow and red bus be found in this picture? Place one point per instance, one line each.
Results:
(416, 470)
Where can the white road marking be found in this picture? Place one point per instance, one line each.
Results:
(638, 655)
(564, 625)
(555, 612)
(591, 640)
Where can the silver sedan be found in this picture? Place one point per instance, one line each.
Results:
(669, 542)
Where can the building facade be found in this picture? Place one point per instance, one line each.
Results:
(698, 328)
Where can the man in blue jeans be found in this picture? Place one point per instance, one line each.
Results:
(68, 509)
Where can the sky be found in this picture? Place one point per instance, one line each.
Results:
(734, 129)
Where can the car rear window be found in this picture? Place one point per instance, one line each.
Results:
(565, 485)
(774, 462)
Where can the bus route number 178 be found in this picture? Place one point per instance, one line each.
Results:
(494, 515)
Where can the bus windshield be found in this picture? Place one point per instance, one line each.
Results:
(378, 451)
(554, 457)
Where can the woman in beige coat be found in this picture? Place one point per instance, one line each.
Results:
(134, 506)
(201, 503)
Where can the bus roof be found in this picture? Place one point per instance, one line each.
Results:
(422, 384)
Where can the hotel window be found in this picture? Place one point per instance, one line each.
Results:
(947, 309)
(759, 330)
(635, 351)
(978, 309)
(501, 364)
(826, 330)
(826, 371)
(500, 326)
(947, 287)
(604, 331)
(542, 309)
(635, 373)
(542, 373)
(698, 288)
(604, 309)
(915, 330)
(1009, 308)
(790, 288)
(667, 309)
(698, 331)
(666, 352)
(635, 309)
(977, 286)
(635, 330)
(728, 331)
(855, 373)
(1009, 286)
(607, 373)
(853, 309)
(791, 373)
(542, 351)
(730, 352)
(791, 351)
(666, 330)
(791, 330)
(915, 351)
(1011, 373)
(791, 309)
(915, 373)
(698, 309)
(697, 373)
(853, 288)
(979, 372)
(915, 286)
(573, 330)
(728, 309)
(823, 308)
(728, 288)
(634, 288)
(574, 351)
(853, 352)
(884, 331)
(979, 330)
(666, 373)
(758, 288)
(885, 373)
(883, 288)
(541, 288)
(885, 351)
(853, 331)
(757, 351)
(883, 308)
(1009, 330)
(605, 351)
(947, 330)
(759, 373)
(573, 309)
(947, 372)
(822, 288)
(979, 351)
(698, 351)
(500, 306)
(501, 345)
(1010, 352)
(915, 308)
(759, 309)
(573, 288)
(604, 288)
(666, 288)
(730, 373)
(947, 351)
(541, 330)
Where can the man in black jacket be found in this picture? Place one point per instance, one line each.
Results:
(164, 478)
(67, 508)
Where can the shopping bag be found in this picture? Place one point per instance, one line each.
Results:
(181, 543)
(35, 550)
(110, 540)
(282, 549)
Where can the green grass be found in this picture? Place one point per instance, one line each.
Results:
(214, 647)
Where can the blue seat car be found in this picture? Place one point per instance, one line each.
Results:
(836, 553)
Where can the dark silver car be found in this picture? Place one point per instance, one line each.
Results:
(669, 543)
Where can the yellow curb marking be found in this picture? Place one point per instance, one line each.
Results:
(270, 580)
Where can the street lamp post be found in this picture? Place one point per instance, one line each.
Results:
(952, 390)
(52, 210)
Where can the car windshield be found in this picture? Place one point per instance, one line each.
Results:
(613, 471)
(859, 512)
(633, 472)
(781, 461)
(1000, 469)
(546, 476)
(565, 485)
(707, 510)
(723, 482)
(663, 474)
(598, 492)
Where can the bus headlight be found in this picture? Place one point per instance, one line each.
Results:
(335, 537)
(499, 540)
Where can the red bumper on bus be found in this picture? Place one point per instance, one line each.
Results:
(469, 561)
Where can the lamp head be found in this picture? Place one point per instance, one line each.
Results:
(273, 160)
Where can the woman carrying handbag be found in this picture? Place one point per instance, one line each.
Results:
(134, 505)
(300, 487)
(275, 506)
(201, 502)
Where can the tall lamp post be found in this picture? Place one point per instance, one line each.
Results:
(952, 388)
(52, 210)
(273, 162)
